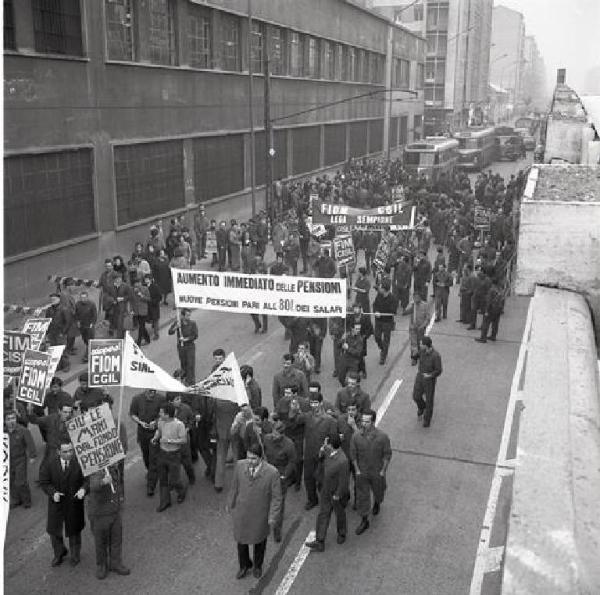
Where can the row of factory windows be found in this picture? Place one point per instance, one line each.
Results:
(213, 40)
(150, 179)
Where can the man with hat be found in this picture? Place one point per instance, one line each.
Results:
(55, 334)
(201, 226)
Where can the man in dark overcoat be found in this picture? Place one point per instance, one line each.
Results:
(62, 480)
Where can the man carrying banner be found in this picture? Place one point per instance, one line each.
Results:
(187, 333)
(62, 480)
(104, 512)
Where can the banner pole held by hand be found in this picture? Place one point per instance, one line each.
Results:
(112, 487)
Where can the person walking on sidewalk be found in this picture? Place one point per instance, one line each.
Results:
(335, 492)
(419, 318)
(384, 308)
(370, 452)
(430, 367)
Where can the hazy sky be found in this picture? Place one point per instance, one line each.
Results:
(567, 33)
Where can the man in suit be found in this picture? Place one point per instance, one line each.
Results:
(62, 480)
(334, 493)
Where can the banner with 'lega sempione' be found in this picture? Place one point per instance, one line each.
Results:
(259, 294)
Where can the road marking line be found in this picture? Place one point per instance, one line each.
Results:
(253, 358)
(486, 557)
(288, 580)
(430, 325)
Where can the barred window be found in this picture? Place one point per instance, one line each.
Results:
(403, 130)
(277, 53)
(328, 71)
(161, 38)
(199, 34)
(119, 29)
(48, 199)
(339, 62)
(257, 42)
(351, 72)
(9, 26)
(230, 42)
(313, 58)
(296, 54)
(417, 127)
(57, 27)
(149, 179)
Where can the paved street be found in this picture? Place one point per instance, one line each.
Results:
(425, 539)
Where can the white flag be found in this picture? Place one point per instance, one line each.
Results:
(55, 352)
(140, 372)
(224, 383)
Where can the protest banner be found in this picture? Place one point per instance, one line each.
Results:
(343, 250)
(15, 344)
(400, 214)
(140, 372)
(383, 253)
(259, 294)
(55, 352)
(95, 439)
(481, 218)
(37, 328)
(105, 362)
(211, 242)
(224, 383)
(397, 193)
(34, 373)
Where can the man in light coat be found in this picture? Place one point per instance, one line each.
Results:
(255, 504)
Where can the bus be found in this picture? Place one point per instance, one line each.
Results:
(476, 148)
(509, 145)
(432, 156)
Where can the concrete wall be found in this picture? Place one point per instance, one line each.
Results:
(553, 543)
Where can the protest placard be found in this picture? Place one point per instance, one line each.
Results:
(259, 294)
(34, 373)
(55, 352)
(15, 344)
(383, 253)
(211, 242)
(397, 193)
(105, 362)
(224, 383)
(95, 439)
(481, 218)
(343, 250)
(37, 328)
(401, 214)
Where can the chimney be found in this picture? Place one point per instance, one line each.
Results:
(561, 76)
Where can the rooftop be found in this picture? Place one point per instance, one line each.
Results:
(566, 183)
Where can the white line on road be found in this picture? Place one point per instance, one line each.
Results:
(490, 559)
(253, 358)
(288, 580)
(430, 325)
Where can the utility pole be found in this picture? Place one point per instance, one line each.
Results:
(251, 111)
(269, 149)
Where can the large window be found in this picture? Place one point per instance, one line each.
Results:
(403, 130)
(335, 143)
(161, 34)
(9, 26)
(420, 75)
(328, 70)
(305, 149)
(435, 71)
(339, 62)
(312, 70)
(218, 166)
(437, 17)
(119, 29)
(394, 132)
(296, 54)
(200, 36)
(277, 53)
(48, 199)
(230, 42)
(57, 27)
(375, 136)
(437, 44)
(417, 127)
(257, 43)
(434, 94)
(149, 179)
(351, 65)
(401, 73)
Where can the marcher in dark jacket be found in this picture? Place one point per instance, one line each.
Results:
(153, 305)
(62, 480)
(86, 315)
(162, 275)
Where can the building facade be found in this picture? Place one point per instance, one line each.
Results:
(120, 112)
(458, 36)
(533, 96)
(507, 58)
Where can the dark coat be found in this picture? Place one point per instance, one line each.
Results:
(69, 510)
(162, 274)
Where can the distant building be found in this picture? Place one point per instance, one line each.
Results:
(121, 112)
(458, 49)
(533, 88)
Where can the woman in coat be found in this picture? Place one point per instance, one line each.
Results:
(162, 275)
(255, 504)
(61, 479)
(120, 267)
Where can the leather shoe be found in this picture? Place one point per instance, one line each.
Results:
(491, 338)
(101, 572)
(58, 560)
(480, 340)
(315, 546)
(376, 508)
(74, 560)
(122, 570)
(242, 572)
(364, 525)
(150, 492)
(163, 507)
(257, 571)
(341, 539)
(310, 505)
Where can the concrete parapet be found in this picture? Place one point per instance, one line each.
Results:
(553, 543)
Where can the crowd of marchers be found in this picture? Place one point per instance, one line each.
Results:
(300, 436)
